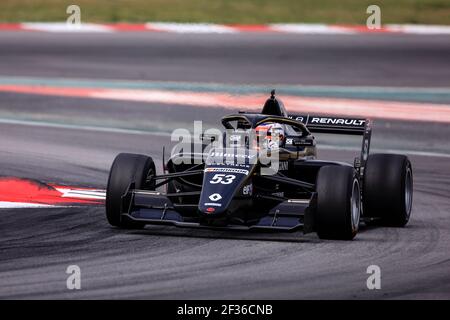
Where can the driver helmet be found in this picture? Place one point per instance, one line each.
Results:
(270, 135)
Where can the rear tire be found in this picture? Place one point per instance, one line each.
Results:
(338, 203)
(126, 168)
(388, 189)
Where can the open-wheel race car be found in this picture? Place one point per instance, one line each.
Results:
(228, 185)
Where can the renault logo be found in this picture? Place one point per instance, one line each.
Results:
(215, 197)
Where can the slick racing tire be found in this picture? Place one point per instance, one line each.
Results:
(338, 203)
(388, 189)
(126, 168)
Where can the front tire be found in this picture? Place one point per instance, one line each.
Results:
(126, 168)
(338, 203)
(388, 189)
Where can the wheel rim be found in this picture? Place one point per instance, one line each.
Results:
(355, 203)
(408, 192)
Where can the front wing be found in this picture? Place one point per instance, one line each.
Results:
(152, 207)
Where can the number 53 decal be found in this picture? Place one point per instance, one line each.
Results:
(222, 178)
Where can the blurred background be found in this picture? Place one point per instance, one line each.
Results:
(229, 11)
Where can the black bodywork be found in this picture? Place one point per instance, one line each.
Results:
(201, 194)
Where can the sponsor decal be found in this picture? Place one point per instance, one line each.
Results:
(222, 179)
(212, 204)
(247, 190)
(283, 165)
(233, 164)
(300, 142)
(235, 137)
(278, 194)
(215, 197)
(298, 118)
(231, 155)
(210, 210)
(330, 120)
(341, 121)
(227, 170)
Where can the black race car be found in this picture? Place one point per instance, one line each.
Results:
(229, 185)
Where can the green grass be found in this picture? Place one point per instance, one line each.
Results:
(228, 11)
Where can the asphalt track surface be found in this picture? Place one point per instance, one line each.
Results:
(37, 245)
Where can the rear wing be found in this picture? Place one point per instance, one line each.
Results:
(341, 125)
(336, 125)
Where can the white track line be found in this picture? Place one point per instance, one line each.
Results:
(418, 29)
(308, 28)
(82, 194)
(210, 28)
(165, 134)
(11, 205)
(397, 151)
(45, 124)
(64, 27)
(190, 27)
